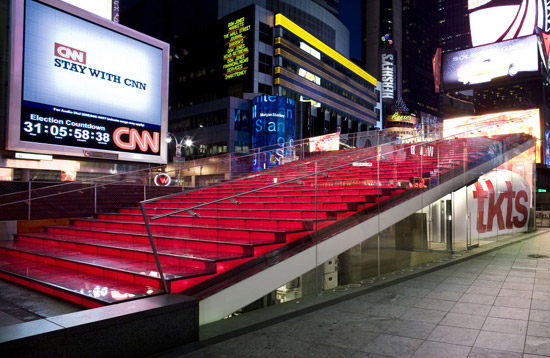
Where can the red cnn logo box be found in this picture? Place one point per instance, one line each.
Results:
(70, 53)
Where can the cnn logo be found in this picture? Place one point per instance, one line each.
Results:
(70, 53)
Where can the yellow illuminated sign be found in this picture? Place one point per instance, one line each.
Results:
(281, 20)
(235, 59)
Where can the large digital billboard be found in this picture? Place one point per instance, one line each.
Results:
(237, 46)
(497, 123)
(103, 8)
(496, 20)
(272, 129)
(486, 63)
(88, 86)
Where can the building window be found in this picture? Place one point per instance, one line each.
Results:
(265, 63)
(264, 89)
(266, 33)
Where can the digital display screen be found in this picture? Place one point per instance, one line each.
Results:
(103, 8)
(272, 129)
(484, 64)
(324, 143)
(237, 41)
(494, 21)
(498, 123)
(88, 87)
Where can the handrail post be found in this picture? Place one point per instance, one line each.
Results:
(153, 247)
(95, 199)
(30, 201)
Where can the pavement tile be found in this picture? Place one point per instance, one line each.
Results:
(488, 291)
(394, 346)
(424, 315)
(492, 353)
(500, 341)
(509, 312)
(521, 273)
(435, 304)
(491, 277)
(444, 295)
(541, 296)
(475, 298)
(515, 293)
(400, 300)
(412, 291)
(432, 278)
(537, 345)
(430, 349)
(541, 287)
(463, 320)
(516, 302)
(517, 286)
(538, 329)
(471, 308)
(459, 280)
(520, 279)
(411, 329)
(487, 283)
(452, 287)
(539, 316)
(466, 273)
(540, 305)
(505, 325)
(454, 335)
(385, 310)
(421, 284)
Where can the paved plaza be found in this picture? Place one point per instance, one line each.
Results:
(492, 305)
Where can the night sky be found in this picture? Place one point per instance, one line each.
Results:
(350, 15)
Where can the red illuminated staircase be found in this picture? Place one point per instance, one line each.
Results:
(216, 230)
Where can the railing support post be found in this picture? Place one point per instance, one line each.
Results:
(30, 201)
(154, 248)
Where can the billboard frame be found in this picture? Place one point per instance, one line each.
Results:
(15, 86)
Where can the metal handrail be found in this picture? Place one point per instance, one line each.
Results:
(231, 197)
(300, 177)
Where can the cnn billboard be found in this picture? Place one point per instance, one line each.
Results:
(81, 85)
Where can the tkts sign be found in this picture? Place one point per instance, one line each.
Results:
(499, 203)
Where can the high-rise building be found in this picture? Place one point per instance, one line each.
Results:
(407, 33)
(293, 49)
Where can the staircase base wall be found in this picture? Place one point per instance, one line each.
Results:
(130, 329)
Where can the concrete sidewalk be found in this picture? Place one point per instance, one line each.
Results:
(492, 305)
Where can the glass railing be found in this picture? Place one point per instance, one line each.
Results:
(378, 205)
(396, 205)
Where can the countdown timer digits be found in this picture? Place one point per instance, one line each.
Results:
(60, 132)
(63, 126)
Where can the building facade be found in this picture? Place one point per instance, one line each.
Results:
(298, 50)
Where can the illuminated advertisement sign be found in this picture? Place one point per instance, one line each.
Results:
(494, 21)
(237, 38)
(387, 74)
(87, 85)
(103, 8)
(486, 63)
(498, 204)
(272, 129)
(498, 123)
(324, 143)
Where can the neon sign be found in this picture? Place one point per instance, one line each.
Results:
(236, 58)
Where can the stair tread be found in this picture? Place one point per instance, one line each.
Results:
(206, 227)
(104, 289)
(222, 239)
(118, 263)
(187, 252)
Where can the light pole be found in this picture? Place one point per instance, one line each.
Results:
(179, 144)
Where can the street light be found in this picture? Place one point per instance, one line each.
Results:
(179, 144)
